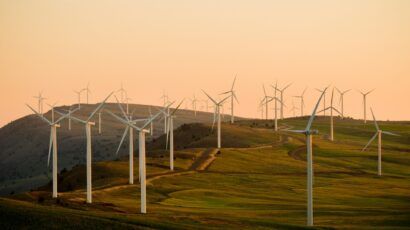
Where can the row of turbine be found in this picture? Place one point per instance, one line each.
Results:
(130, 125)
(263, 105)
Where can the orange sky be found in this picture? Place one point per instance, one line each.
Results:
(183, 46)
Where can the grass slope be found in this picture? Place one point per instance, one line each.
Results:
(258, 181)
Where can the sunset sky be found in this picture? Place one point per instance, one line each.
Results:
(185, 46)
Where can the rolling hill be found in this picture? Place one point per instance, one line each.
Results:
(256, 181)
(24, 143)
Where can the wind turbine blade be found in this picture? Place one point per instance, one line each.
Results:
(168, 130)
(155, 116)
(215, 114)
(49, 148)
(312, 117)
(331, 99)
(374, 119)
(233, 84)
(65, 116)
(224, 100)
(72, 117)
(337, 111)
(304, 91)
(264, 90)
(210, 97)
(225, 92)
(42, 117)
(118, 118)
(370, 91)
(121, 108)
(297, 131)
(323, 110)
(173, 112)
(371, 140)
(286, 87)
(391, 134)
(122, 139)
(236, 99)
(99, 107)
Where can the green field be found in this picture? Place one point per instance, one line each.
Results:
(259, 182)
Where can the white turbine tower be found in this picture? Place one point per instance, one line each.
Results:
(142, 166)
(364, 104)
(40, 99)
(341, 101)
(302, 101)
(170, 134)
(53, 144)
(275, 87)
(293, 109)
(88, 125)
(127, 99)
(266, 101)
(123, 93)
(194, 101)
(78, 93)
(308, 132)
(324, 101)
(282, 91)
(217, 115)
(166, 101)
(331, 108)
(87, 91)
(233, 96)
(378, 134)
(152, 123)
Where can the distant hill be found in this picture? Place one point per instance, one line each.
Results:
(24, 143)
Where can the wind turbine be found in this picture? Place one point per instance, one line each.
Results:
(331, 108)
(217, 115)
(170, 134)
(378, 134)
(166, 101)
(233, 96)
(40, 102)
(194, 102)
(324, 101)
(142, 166)
(122, 92)
(342, 93)
(53, 144)
(364, 104)
(302, 101)
(78, 97)
(293, 109)
(308, 133)
(281, 91)
(87, 91)
(275, 87)
(266, 101)
(88, 125)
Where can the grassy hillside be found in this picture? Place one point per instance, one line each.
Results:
(258, 181)
(24, 143)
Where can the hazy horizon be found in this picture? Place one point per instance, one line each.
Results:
(185, 46)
